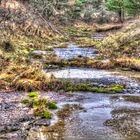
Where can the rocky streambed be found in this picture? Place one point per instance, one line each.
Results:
(101, 116)
(81, 115)
(17, 119)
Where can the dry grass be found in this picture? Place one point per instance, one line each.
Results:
(123, 48)
(86, 42)
(108, 27)
(126, 42)
(24, 77)
(130, 63)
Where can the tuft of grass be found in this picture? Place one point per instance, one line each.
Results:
(108, 27)
(7, 46)
(86, 42)
(25, 78)
(124, 43)
(132, 98)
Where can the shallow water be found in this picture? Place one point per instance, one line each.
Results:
(73, 51)
(105, 117)
(81, 73)
(96, 76)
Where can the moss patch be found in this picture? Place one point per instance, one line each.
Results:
(43, 113)
(40, 105)
(33, 94)
(111, 89)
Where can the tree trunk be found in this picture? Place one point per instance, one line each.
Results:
(121, 16)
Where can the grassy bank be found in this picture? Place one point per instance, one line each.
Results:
(123, 47)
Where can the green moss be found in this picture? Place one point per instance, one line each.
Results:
(43, 114)
(25, 51)
(99, 90)
(40, 102)
(40, 105)
(111, 89)
(33, 94)
(51, 105)
(25, 101)
(115, 88)
(69, 86)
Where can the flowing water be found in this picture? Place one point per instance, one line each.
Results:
(73, 51)
(104, 117)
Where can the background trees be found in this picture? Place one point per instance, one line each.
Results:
(117, 6)
(133, 7)
(67, 11)
(124, 7)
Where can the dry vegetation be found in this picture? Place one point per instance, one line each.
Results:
(22, 31)
(124, 46)
(24, 77)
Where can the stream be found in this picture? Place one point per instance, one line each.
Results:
(104, 116)
(72, 51)
(94, 116)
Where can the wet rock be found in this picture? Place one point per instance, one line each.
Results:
(4, 106)
(13, 127)
(19, 135)
(2, 129)
(42, 122)
(26, 119)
